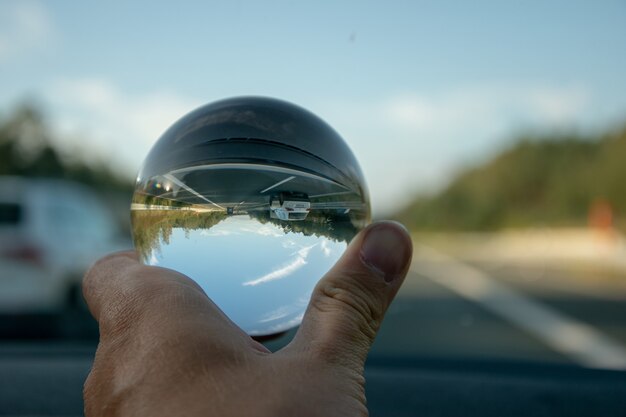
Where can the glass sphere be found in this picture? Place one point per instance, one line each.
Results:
(254, 199)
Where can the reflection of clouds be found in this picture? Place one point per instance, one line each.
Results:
(285, 270)
(277, 314)
(264, 230)
(239, 224)
(324, 246)
(269, 231)
(218, 233)
(281, 327)
(288, 244)
(279, 273)
(288, 325)
(286, 310)
(153, 259)
(304, 251)
(304, 300)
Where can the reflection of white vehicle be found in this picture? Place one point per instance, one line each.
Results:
(289, 206)
(50, 232)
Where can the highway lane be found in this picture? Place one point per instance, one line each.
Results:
(430, 320)
(455, 309)
(591, 294)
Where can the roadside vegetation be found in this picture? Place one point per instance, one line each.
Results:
(27, 148)
(542, 181)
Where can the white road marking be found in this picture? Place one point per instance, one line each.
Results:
(568, 336)
(278, 183)
(191, 190)
(330, 194)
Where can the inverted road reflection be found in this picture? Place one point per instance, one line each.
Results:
(255, 237)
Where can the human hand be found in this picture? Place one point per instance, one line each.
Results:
(166, 350)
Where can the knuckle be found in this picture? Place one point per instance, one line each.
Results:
(359, 306)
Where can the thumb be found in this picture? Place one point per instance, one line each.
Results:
(348, 305)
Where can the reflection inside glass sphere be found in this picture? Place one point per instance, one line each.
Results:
(255, 234)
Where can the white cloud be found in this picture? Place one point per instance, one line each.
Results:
(277, 314)
(304, 251)
(325, 249)
(415, 141)
(218, 232)
(153, 259)
(558, 106)
(484, 106)
(264, 230)
(279, 273)
(24, 26)
(288, 244)
(412, 111)
(280, 327)
(285, 270)
(121, 125)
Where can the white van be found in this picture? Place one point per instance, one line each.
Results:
(51, 231)
(290, 206)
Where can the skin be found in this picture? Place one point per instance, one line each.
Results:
(165, 348)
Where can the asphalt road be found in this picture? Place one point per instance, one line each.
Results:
(449, 308)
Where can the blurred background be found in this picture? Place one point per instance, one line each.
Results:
(496, 131)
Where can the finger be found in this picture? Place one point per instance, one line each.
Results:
(348, 305)
(119, 277)
(124, 296)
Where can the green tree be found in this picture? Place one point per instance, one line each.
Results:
(27, 149)
(539, 181)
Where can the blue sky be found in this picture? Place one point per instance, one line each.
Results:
(417, 89)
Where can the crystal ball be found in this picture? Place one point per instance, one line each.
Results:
(254, 199)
